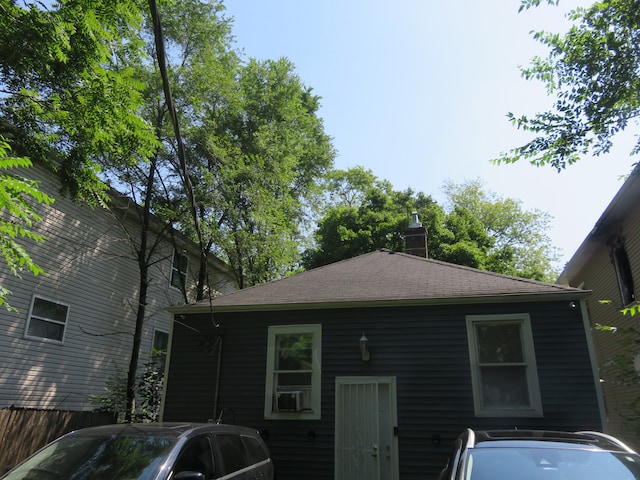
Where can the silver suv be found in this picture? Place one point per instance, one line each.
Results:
(151, 451)
(540, 455)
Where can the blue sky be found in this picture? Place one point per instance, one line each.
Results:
(418, 90)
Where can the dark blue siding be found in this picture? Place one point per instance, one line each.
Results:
(424, 348)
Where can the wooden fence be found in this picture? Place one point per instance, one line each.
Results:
(23, 431)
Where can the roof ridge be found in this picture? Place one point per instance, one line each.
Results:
(478, 270)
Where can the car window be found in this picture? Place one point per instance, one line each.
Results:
(116, 457)
(196, 456)
(551, 464)
(232, 455)
(255, 449)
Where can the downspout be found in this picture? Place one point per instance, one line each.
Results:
(217, 394)
(594, 365)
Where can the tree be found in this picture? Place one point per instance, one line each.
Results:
(258, 161)
(196, 51)
(17, 197)
(148, 386)
(593, 71)
(475, 228)
(72, 100)
(516, 242)
(469, 240)
(89, 88)
(245, 155)
(363, 214)
(64, 79)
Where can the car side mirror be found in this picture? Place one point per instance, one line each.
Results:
(189, 475)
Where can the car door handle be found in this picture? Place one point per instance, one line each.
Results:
(375, 451)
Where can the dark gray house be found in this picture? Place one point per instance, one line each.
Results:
(369, 368)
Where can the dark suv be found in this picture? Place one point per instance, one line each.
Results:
(151, 452)
(540, 455)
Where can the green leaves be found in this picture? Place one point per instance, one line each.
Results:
(475, 228)
(69, 100)
(258, 161)
(593, 71)
(18, 197)
(631, 310)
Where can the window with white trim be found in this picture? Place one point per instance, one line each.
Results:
(47, 320)
(503, 366)
(159, 348)
(293, 372)
(179, 270)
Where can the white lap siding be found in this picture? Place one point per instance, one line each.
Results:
(90, 266)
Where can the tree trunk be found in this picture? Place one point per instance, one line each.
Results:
(135, 350)
(143, 264)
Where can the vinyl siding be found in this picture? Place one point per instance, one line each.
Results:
(598, 275)
(90, 266)
(424, 348)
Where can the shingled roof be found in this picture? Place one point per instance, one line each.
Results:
(384, 278)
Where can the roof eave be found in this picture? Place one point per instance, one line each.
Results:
(624, 200)
(482, 299)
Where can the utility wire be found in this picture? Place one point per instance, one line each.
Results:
(162, 64)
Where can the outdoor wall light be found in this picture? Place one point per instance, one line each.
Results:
(364, 348)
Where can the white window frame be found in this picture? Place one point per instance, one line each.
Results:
(153, 345)
(44, 319)
(176, 270)
(534, 409)
(316, 374)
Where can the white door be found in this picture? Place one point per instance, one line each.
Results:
(366, 417)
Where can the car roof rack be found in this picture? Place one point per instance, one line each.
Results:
(592, 438)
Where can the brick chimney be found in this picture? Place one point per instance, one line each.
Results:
(415, 237)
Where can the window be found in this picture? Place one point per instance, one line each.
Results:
(159, 348)
(47, 320)
(503, 367)
(623, 272)
(293, 372)
(254, 449)
(196, 457)
(232, 455)
(179, 270)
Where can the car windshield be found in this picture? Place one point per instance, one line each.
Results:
(551, 464)
(85, 457)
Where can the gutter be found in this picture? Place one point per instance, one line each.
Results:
(568, 296)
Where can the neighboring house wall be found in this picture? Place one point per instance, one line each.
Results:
(218, 366)
(593, 268)
(87, 297)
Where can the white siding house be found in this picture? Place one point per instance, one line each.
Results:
(74, 323)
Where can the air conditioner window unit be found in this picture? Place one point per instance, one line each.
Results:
(290, 401)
